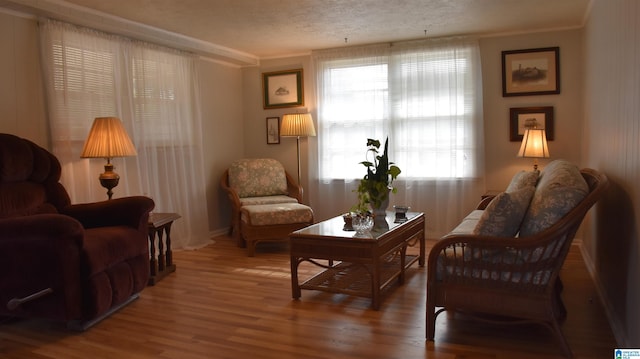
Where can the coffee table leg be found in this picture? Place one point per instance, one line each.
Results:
(403, 263)
(375, 285)
(422, 251)
(295, 286)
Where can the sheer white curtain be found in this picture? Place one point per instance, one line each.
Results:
(426, 97)
(154, 91)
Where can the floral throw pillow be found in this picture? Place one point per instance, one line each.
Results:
(560, 189)
(523, 179)
(503, 215)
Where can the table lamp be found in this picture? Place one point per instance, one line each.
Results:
(108, 139)
(297, 125)
(534, 145)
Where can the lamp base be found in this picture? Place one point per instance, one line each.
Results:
(109, 179)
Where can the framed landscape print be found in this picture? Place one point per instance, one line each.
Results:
(531, 72)
(282, 89)
(522, 117)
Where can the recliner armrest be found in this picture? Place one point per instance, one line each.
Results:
(39, 252)
(130, 211)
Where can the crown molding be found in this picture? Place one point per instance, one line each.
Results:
(79, 15)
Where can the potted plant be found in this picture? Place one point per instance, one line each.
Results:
(375, 186)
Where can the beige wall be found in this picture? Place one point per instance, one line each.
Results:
(255, 135)
(500, 153)
(222, 133)
(22, 109)
(612, 144)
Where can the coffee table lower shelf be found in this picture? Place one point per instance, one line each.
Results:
(355, 279)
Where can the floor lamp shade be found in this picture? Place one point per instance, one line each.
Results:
(297, 125)
(108, 139)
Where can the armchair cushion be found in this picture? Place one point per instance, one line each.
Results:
(252, 201)
(282, 213)
(503, 215)
(257, 178)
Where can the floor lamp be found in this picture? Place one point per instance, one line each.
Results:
(297, 125)
(108, 139)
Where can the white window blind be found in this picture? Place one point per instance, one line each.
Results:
(422, 98)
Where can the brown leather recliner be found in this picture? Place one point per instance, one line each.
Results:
(72, 263)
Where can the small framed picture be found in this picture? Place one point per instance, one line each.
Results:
(520, 118)
(531, 72)
(273, 130)
(282, 89)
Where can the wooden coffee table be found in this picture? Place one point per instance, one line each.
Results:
(357, 265)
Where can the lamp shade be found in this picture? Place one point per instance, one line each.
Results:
(108, 139)
(297, 125)
(534, 144)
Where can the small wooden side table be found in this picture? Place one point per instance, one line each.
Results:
(160, 224)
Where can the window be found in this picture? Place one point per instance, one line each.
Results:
(423, 97)
(86, 78)
(154, 91)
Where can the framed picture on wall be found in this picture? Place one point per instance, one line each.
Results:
(282, 89)
(522, 117)
(531, 72)
(273, 130)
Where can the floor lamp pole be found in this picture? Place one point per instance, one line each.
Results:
(298, 146)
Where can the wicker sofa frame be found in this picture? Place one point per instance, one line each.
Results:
(520, 283)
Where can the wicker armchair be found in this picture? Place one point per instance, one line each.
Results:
(265, 202)
(507, 278)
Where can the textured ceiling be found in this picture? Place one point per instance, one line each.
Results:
(271, 28)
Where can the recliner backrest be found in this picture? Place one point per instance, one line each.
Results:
(29, 179)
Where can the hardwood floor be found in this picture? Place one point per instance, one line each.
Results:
(222, 304)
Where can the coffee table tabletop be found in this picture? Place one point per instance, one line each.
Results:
(361, 265)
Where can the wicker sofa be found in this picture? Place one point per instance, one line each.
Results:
(503, 260)
(265, 202)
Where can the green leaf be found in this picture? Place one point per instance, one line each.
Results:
(394, 171)
(372, 142)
